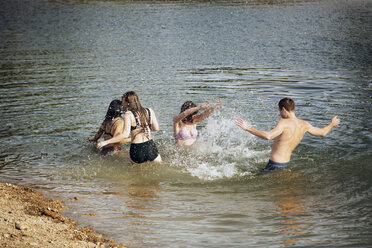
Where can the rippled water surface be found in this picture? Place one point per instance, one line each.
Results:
(62, 62)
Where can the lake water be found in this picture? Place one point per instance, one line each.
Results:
(62, 62)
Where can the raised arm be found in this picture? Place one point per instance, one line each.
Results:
(207, 112)
(189, 111)
(325, 130)
(121, 137)
(278, 130)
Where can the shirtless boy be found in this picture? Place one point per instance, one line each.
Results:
(287, 133)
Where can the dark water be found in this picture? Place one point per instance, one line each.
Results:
(62, 62)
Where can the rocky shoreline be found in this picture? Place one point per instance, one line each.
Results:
(27, 219)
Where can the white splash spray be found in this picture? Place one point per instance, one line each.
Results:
(223, 151)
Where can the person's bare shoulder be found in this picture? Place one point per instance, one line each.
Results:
(290, 124)
(129, 117)
(128, 114)
(119, 122)
(284, 122)
(306, 125)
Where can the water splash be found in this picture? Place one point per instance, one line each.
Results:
(223, 151)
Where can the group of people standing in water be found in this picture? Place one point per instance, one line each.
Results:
(138, 122)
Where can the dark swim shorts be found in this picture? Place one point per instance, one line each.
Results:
(143, 152)
(271, 165)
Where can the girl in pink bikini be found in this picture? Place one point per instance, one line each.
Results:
(184, 124)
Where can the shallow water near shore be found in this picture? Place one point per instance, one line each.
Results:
(62, 62)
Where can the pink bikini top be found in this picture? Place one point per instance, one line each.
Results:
(184, 134)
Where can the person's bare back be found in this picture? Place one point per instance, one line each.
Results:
(294, 130)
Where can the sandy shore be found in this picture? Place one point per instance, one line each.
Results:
(27, 219)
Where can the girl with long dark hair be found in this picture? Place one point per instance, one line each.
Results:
(111, 126)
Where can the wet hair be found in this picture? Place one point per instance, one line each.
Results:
(187, 105)
(287, 103)
(134, 105)
(114, 110)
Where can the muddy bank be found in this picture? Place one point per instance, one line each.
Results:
(27, 219)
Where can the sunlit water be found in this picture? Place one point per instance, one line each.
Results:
(62, 62)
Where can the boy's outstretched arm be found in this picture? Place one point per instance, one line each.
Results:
(325, 130)
(259, 133)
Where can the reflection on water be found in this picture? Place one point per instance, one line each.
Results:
(291, 209)
(141, 200)
(63, 62)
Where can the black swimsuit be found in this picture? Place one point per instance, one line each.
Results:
(137, 120)
(145, 151)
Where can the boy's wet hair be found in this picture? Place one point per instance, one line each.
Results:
(287, 103)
